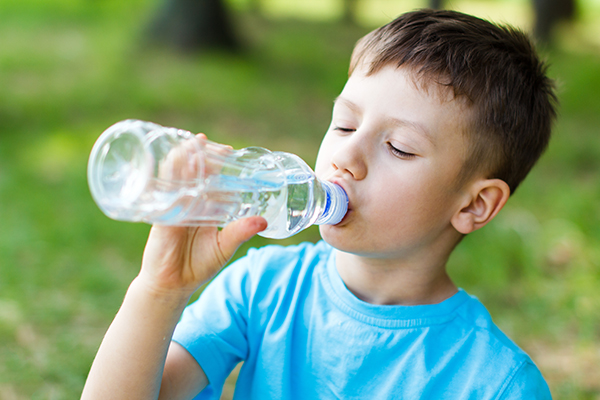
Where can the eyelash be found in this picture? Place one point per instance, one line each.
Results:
(345, 130)
(400, 153)
(395, 151)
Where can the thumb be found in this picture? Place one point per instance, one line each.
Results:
(238, 232)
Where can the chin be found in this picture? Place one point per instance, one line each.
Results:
(341, 239)
(331, 235)
(358, 244)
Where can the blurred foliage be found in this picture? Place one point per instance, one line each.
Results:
(71, 68)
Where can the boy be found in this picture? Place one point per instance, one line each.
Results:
(442, 116)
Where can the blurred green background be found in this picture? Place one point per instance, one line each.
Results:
(71, 68)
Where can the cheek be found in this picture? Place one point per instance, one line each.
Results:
(410, 201)
(324, 156)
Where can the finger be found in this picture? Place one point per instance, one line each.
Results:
(216, 157)
(238, 232)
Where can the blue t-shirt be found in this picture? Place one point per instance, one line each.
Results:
(286, 313)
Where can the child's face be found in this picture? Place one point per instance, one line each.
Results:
(397, 150)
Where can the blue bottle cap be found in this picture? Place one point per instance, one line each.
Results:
(336, 206)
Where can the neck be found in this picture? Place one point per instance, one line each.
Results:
(398, 282)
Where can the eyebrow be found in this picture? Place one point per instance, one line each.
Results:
(347, 103)
(401, 123)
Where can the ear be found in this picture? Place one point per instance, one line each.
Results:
(485, 199)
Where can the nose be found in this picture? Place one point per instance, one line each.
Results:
(350, 157)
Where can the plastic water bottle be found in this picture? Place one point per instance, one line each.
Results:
(142, 172)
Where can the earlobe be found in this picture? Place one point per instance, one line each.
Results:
(485, 200)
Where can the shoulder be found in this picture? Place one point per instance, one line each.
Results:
(277, 259)
(475, 315)
(261, 278)
(499, 356)
(526, 383)
(293, 253)
(269, 267)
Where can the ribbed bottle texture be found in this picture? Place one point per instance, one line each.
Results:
(142, 172)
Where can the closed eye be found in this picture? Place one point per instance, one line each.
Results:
(399, 153)
(345, 130)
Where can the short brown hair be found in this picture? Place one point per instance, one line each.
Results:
(495, 68)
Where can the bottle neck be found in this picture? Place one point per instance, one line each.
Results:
(336, 204)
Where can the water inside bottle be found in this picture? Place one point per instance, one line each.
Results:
(298, 202)
(227, 198)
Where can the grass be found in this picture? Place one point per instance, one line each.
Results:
(69, 69)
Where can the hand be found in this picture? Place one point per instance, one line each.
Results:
(183, 164)
(181, 259)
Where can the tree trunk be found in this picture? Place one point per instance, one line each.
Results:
(548, 13)
(436, 4)
(349, 13)
(191, 25)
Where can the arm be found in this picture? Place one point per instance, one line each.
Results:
(526, 383)
(133, 355)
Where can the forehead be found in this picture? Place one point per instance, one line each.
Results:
(436, 86)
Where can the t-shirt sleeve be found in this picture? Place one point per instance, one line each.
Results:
(527, 383)
(213, 329)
